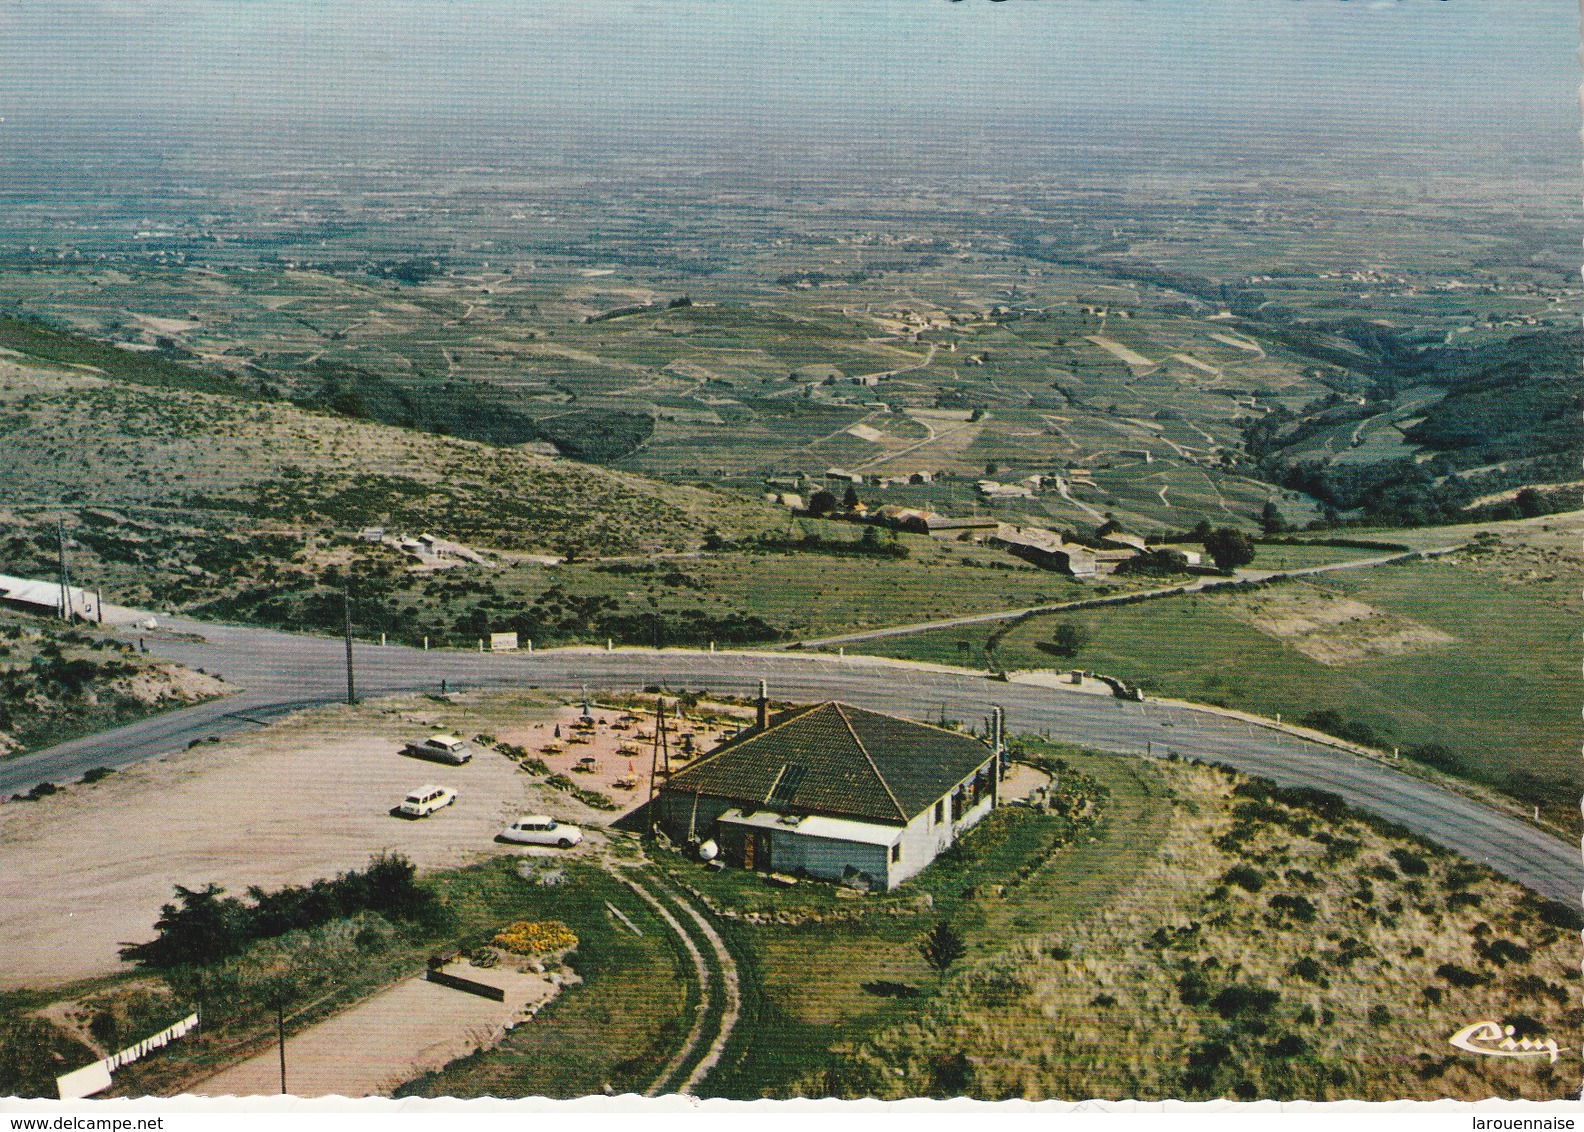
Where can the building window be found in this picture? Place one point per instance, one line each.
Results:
(896, 852)
(940, 811)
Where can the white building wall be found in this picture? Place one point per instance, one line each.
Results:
(924, 839)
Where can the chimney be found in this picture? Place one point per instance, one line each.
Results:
(762, 719)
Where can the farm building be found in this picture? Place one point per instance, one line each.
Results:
(835, 792)
(1045, 549)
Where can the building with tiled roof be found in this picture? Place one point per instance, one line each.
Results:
(836, 792)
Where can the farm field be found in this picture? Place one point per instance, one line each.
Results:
(1464, 653)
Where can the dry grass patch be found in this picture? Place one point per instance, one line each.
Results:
(1328, 627)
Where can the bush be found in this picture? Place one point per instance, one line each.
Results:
(1411, 864)
(1560, 915)
(1308, 969)
(1379, 1015)
(1240, 1000)
(1502, 952)
(1246, 877)
(1193, 988)
(1461, 977)
(1298, 907)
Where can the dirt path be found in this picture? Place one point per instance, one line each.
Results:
(733, 990)
(701, 972)
(379, 1044)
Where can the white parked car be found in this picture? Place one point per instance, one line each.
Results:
(426, 800)
(537, 829)
(441, 749)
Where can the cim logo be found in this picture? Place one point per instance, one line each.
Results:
(1495, 1040)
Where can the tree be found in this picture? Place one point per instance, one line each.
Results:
(203, 928)
(1070, 638)
(1272, 522)
(991, 467)
(1229, 548)
(821, 502)
(850, 497)
(941, 947)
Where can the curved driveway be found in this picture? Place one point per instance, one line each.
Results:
(280, 672)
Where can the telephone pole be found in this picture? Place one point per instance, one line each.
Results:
(65, 577)
(346, 610)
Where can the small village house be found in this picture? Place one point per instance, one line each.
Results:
(834, 792)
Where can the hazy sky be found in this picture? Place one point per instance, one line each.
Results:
(1492, 74)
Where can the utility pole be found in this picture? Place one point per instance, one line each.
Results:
(661, 750)
(346, 610)
(65, 577)
(280, 1034)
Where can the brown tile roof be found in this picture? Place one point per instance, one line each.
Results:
(838, 760)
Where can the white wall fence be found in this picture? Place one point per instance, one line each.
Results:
(95, 1078)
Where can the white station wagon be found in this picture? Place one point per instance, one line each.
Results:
(537, 829)
(440, 749)
(426, 800)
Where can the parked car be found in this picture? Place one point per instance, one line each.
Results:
(537, 829)
(426, 800)
(441, 749)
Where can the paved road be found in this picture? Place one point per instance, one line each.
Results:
(280, 671)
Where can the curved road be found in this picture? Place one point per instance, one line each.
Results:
(280, 672)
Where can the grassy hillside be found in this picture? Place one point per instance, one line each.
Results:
(174, 493)
(1276, 945)
(57, 683)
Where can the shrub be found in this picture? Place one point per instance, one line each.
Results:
(1379, 1015)
(1308, 969)
(1435, 756)
(1461, 977)
(1240, 1000)
(204, 926)
(1288, 1045)
(1559, 915)
(1246, 877)
(1298, 907)
(1192, 987)
(1502, 952)
(1411, 864)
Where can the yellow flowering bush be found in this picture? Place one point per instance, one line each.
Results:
(532, 937)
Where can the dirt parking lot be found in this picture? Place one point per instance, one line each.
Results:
(86, 870)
